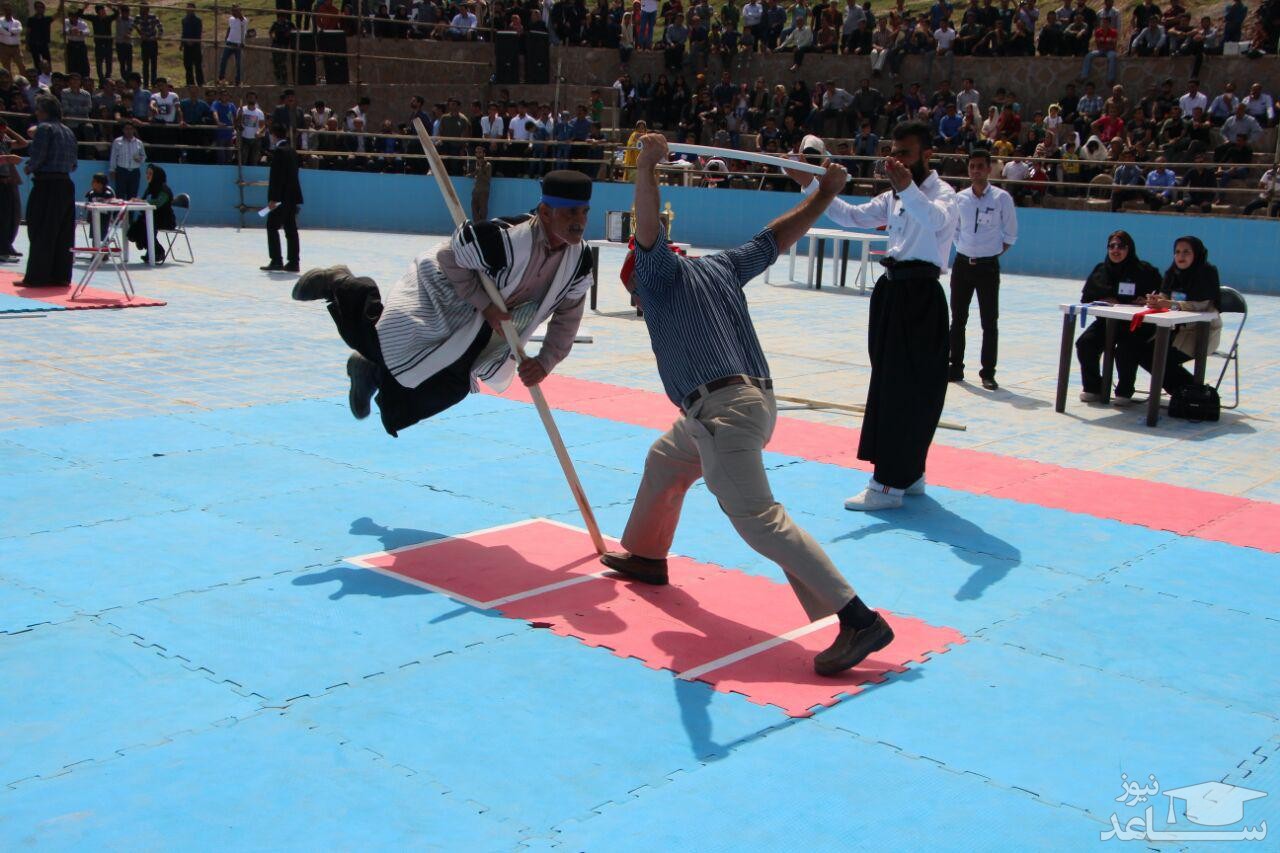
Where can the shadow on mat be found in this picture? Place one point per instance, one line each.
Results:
(991, 556)
(358, 581)
(1004, 395)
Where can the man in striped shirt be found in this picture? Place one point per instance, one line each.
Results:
(713, 369)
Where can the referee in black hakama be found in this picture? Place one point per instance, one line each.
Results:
(51, 207)
(907, 335)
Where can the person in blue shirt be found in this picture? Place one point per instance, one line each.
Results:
(224, 117)
(1160, 182)
(1233, 18)
(949, 129)
(1127, 174)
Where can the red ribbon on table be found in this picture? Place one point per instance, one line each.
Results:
(1137, 318)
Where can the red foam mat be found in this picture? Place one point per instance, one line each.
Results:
(711, 624)
(90, 297)
(1190, 512)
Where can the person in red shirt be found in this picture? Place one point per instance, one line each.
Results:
(1104, 44)
(1110, 125)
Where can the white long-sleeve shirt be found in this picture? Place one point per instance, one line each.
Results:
(921, 220)
(987, 223)
(127, 154)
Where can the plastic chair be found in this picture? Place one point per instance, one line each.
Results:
(1232, 302)
(181, 209)
(110, 249)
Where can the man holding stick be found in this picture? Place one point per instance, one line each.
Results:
(423, 347)
(907, 334)
(713, 369)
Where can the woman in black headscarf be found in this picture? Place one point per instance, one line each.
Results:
(157, 193)
(1122, 279)
(1190, 284)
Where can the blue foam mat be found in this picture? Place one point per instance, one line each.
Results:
(808, 787)
(1156, 638)
(552, 728)
(86, 693)
(1241, 578)
(261, 783)
(311, 630)
(21, 608)
(69, 497)
(10, 304)
(126, 438)
(109, 565)
(1061, 731)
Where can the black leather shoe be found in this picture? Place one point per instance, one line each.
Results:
(635, 568)
(364, 384)
(319, 283)
(955, 375)
(273, 267)
(293, 268)
(852, 646)
(990, 383)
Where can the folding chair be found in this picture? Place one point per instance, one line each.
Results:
(1232, 303)
(109, 249)
(182, 209)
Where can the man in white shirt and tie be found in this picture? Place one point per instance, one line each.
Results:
(907, 329)
(988, 227)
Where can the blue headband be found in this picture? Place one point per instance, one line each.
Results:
(557, 201)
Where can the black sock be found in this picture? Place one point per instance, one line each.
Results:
(856, 615)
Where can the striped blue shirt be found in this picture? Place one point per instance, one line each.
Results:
(697, 315)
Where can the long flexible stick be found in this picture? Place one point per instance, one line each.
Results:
(855, 408)
(749, 156)
(513, 341)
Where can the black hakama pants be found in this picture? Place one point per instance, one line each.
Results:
(51, 229)
(909, 348)
(355, 307)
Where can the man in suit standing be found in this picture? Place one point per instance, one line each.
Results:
(284, 197)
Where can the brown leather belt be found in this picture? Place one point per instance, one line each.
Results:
(723, 382)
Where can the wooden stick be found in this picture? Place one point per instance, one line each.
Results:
(513, 341)
(855, 408)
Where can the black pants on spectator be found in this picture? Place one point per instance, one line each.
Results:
(284, 216)
(280, 66)
(137, 235)
(193, 64)
(304, 21)
(51, 229)
(983, 278)
(78, 59)
(102, 58)
(907, 342)
(1259, 203)
(10, 217)
(124, 56)
(355, 307)
(673, 58)
(150, 54)
(1089, 350)
(39, 53)
(1120, 196)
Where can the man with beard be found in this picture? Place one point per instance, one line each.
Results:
(424, 348)
(907, 335)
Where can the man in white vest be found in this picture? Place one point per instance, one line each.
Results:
(424, 346)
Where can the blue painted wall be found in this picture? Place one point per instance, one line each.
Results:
(1057, 243)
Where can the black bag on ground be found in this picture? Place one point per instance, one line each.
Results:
(1196, 403)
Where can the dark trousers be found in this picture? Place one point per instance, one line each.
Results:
(193, 64)
(124, 56)
(150, 54)
(10, 217)
(39, 53)
(1090, 347)
(907, 341)
(102, 58)
(1138, 349)
(280, 66)
(78, 59)
(355, 308)
(127, 183)
(284, 216)
(966, 279)
(51, 229)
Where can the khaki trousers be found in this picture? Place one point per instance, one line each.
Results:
(722, 439)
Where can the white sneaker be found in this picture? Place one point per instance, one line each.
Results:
(1121, 402)
(915, 489)
(870, 501)
(1089, 397)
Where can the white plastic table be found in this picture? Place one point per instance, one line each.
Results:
(1165, 322)
(817, 255)
(595, 246)
(94, 209)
